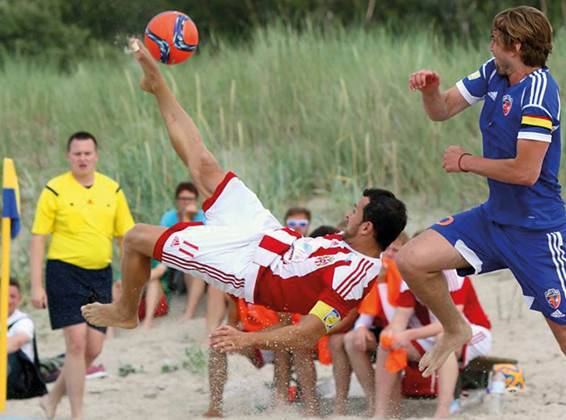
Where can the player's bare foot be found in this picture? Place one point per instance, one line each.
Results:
(152, 78)
(448, 343)
(108, 316)
(48, 407)
(212, 413)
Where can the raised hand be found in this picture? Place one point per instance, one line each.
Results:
(426, 81)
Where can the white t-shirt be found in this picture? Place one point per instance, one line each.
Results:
(23, 326)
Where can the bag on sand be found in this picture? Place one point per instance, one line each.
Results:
(24, 378)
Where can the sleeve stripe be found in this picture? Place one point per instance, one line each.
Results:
(466, 94)
(52, 190)
(526, 135)
(537, 121)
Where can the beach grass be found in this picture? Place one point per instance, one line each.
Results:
(298, 116)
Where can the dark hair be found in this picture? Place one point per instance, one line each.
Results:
(323, 230)
(387, 214)
(298, 210)
(186, 186)
(81, 135)
(529, 27)
(15, 283)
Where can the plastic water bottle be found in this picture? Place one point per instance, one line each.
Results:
(496, 392)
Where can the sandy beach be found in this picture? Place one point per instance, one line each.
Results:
(182, 394)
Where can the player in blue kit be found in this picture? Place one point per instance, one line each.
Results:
(522, 225)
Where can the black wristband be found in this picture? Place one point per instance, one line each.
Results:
(460, 160)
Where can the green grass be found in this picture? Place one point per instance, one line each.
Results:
(296, 116)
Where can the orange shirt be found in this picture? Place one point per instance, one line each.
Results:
(371, 304)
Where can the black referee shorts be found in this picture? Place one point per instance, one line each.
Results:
(69, 287)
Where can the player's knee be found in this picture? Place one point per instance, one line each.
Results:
(408, 260)
(134, 237)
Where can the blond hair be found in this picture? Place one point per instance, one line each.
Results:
(529, 27)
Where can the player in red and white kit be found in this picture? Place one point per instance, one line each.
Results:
(243, 250)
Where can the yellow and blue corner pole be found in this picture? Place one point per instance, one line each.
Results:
(10, 229)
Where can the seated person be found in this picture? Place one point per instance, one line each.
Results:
(415, 329)
(298, 219)
(23, 365)
(249, 317)
(353, 350)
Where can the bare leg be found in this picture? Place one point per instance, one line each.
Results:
(421, 262)
(342, 373)
(281, 376)
(75, 367)
(215, 308)
(49, 403)
(217, 376)
(306, 375)
(385, 385)
(136, 260)
(185, 137)
(361, 364)
(447, 378)
(153, 295)
(559, 332)
(195, 289)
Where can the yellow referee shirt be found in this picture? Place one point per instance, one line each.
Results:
(82, 221)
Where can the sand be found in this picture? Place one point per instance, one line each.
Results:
(182, 394)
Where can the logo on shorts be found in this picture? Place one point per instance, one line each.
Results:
(324, 260)
(553, 298)
(175, 242)
(557, 314)
(331, 319)
(507, 104)
(446, 221)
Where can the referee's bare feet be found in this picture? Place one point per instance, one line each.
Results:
(449, 342)
(108, 315)
(152, 78)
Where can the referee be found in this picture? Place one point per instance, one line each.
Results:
(82, 210)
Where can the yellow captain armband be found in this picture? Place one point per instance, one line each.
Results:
(327, 314)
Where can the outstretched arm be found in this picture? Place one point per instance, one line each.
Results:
(303, 335)
(439, 106)
(183, 133)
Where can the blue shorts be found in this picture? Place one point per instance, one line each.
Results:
(537, 258)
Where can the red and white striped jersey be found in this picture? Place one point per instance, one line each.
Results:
(297, 273)
(462, 292)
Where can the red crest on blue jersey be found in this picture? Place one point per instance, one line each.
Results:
(553, 297)
(507, 104)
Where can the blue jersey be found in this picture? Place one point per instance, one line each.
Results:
(171, 217)
(528, 110)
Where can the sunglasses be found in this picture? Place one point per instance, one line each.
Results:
(295, 223)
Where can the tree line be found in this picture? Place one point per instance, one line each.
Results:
(60, 29)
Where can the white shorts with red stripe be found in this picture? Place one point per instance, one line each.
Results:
(222, 251)
(479, 345)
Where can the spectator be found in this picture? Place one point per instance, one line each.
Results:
(355, 349)
(82, 210)
(186, 210)
(298, 219)
(246, 317)
(24, 380)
